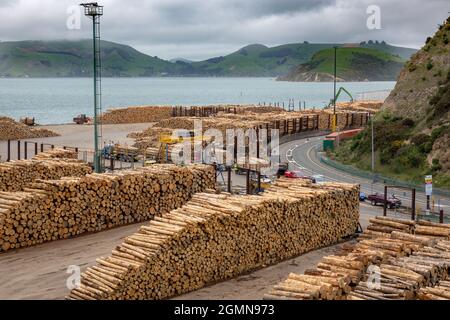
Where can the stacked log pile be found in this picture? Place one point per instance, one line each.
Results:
(13, 130)
(405, 277)
(138, 114)
(384, 226)
(15, 175)
(285, 122)
(389, 267)
(372, 106)
(439, 292)
(56, 209)
(218, 236)
(57, 153)
(314, 284)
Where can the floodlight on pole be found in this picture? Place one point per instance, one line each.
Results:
(95, 11)
(334, 95)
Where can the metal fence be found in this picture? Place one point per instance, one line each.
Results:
(373, 95)
(378, 178)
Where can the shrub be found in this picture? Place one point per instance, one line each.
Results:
(412, 67)
(408, 122)
(420, 139)
(436, 166)
(438, 132)
(429, 65)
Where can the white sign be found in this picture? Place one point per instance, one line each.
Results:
(429, 189)
(429, 185)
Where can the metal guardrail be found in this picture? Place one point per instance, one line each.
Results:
(377, 177)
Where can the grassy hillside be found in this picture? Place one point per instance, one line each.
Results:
(353, 64)
(74, 59)
(412, 133)
(259, 60)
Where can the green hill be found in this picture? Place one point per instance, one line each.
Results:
(74, 59)
(259, 60)
(353, 64)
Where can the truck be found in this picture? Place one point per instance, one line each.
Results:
(391, 202)
(81, 119)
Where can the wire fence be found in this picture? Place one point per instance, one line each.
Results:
(379, 178)
(373, 95)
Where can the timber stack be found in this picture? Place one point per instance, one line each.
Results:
(215, 237)
(385, 267)
(384, 226)
(138, 114)
(16, 175)
(439, 292)
(13, 130)
(57, 153)
(49, 210)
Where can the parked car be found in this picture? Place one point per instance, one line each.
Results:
(282, 168)
(319, 179)
(391, 201)
(362, 196)
(298, 175)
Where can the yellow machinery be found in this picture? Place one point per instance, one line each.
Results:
(168, 141)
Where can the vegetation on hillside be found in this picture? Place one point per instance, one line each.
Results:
(400, 150)
(412, 133)
(353, 64)
(74, 59)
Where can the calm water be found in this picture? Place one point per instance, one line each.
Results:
(53, 101)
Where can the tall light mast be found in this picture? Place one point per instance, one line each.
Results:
(95, 11)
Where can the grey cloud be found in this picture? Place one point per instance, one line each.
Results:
(198, 29)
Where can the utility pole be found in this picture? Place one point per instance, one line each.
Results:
(334, 95)
(95, 11)
(373, 150)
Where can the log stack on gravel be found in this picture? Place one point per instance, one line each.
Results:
(138, 114)
(372, 106)
(389, 267)
(218, 236)
(13, 130)
(15, 175)
(57, 209)
(57, 153)
(439, 292)
(385, 226)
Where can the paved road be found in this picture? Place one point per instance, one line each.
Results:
(302, 156)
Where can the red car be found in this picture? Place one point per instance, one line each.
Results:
(297, 175)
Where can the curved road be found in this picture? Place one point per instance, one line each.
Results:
(302, 156)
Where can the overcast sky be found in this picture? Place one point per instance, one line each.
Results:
(200, 29)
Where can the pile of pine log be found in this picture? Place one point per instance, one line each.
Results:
(16, 175)
(57, 153)
(314, 284)
(13, 130)
(55, 209)
(439, 292)
(385, 267)
(138, 114)
(371, 106)
(219, 236)
(404, 277)
(384, 226)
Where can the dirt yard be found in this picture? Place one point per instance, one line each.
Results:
(80, 136)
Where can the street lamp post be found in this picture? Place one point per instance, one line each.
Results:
(373, 150)
(95, 11)
(334, 95)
